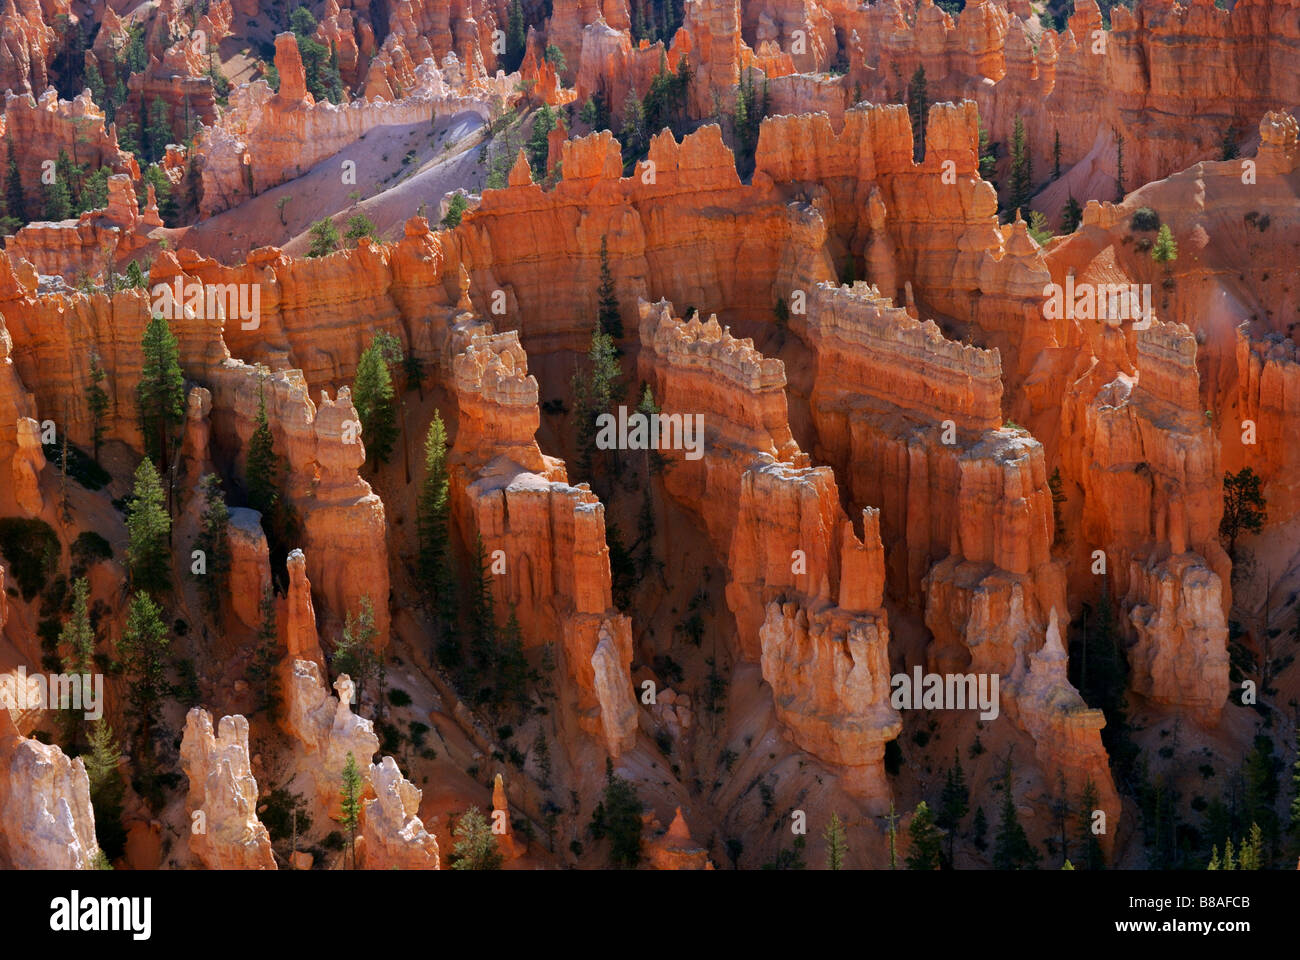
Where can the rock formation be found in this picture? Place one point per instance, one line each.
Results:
(392, 835)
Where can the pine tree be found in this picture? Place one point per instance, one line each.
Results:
(261, 668)
(836, 843)
(1092, 857)
(1056, 157)
(157, 131)
(161, 393)
(355, 653)
(1165, 249)
(593, 393)
(106, 787)
(77, 638)
(1293, 822)
(1012, 849)
(1228, 146)
(372, 395)
(918, 104)
(324, 238)
(350, 803)
(433, 514)
(58, 202)
(988, 160)
(1022, 176)
(1071, 215)
(979, 829)
(1251, 856)
(516, 37)
(618, 816)
(15, 199)
(262, 467)
(142, 651)
(149, 528)
(926, 842)
(215, 544)
(97, 402)
(1119, 167)
(538, 146)
(611, 317)
(1244, 506)
(476, 847)
(633, 134)
(483, 627)
(954, 804)
(512, 665)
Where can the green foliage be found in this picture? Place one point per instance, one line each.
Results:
(373, 397)
(157, 131)
(618, 816)
(278, 811)
(94, 191)
(610, 316)
(593, 392)
(595, 112)
(954, 804)
(1022, 175)
(1245, 509)
(106, 788)
(142, 652)
(350, 803)
(1012, 849)
(475, 847)
(538, 144)
(358, 226)
(1071, 215)
(160, 397)
(324, 238)
(791, 859)
(633, 135)
(1145, 220)
(97, 401)
(455, 211)
(836, 843)
(1038, 228)
(746, 118)
(926, 842)
(918, 108)
(266, 655)
(148, 526)
(58, 201)
(214, 543)
(516, 37)
(31, 550)
(1119, 167)
(355, 653)
(433, 520)
(1165, 249)
(79, 466)
(555, 56)
(1092, 857)
(320, 63)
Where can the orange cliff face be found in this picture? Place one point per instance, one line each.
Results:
(805, 590)
(544, 538)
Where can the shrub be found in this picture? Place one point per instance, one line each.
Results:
(1145, 220)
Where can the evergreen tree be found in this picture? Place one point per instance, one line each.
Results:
(516, 37)
(512, 666)
(433, 515)
(355, 653)
(593, 393)
(618, 816)
(358, 226)
(15, 200)
(836, 843)
(149, 529)
(77, 638)
(1092, 857)
(1071, 215)
(538, 146)
(979, 829)
(1261, 771)
(58, 201)
(324, 238)
(142, 651)
(988, 160)
(1244, 506)
(1165, 250)
(1022, 177)
(157, 131)
(372, 394)
(161, 393)
(1293, 821)
(1119, 167)
(1252, 850)
(1056, 157)
(927, 843)
(97, 402)
(954, 804)
(918, 106)
(215, 544)
(266, 654)
(633, 135)
(350, 803)
(611, 317)
(476, 846)
(94, 192)
(1012, 849)
(483, 627)
(1228, 146)
(262, 467)
(106, 787)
